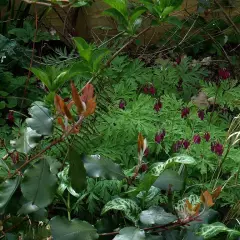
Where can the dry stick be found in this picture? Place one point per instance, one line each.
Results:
(227, 16)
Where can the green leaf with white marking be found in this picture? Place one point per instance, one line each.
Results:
(128, 206)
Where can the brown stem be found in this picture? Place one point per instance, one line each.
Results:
(168, 226)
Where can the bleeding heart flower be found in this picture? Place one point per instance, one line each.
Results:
(207, 136)
(10, 117)
(160, 136)
(152, 90)
(146, 152)
(197, 139)
(122, 104)
(144, 167)
(201, 114)
(217, 148)
(178, 60)
(177, 145)
(186, 144)
(146, 89)
(185, 111)
(224, 73)
(157, 106)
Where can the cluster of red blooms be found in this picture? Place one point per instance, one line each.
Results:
(149, 89)
(223, 73)
(122, 104)
(216, 147)
(185, 112)
(160, 136)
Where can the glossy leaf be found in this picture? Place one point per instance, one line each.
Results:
(28, 208)
(206, 198)
(41, 120)
(158, 168)
(7, 189)
(130, 233)
(84, 49)
(43, 76)
(62, 107)
(208, 231)
(119, 5)
(111, 12)
(128, 206)
(39, 184)
(169, 179)
(102, 167)
(77, 172)
(62, 229)
(28, 140)
(156, 216)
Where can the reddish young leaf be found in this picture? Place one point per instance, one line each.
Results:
(197, 208)
(59, 104)
(60, 122)
(189, 206)
(76, 99)
(90, 107)
(87, 93)
(67, 112)
(216, 193)
(206, 198)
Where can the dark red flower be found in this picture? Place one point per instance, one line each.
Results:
(207, 136)
(178, 60)
(201, 114)
(157, 106)
(177, 145)
(10, 117)
(152, 90)
(144, 167)
(159, 137)
(146, 152)
(217, 148)
(186, 144)
(180, 85)
(185, 112)
(196, 139)
(122, 104)
(224, 73)
(146, 89)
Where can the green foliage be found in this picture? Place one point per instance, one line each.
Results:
(130, 233)
(72, 230)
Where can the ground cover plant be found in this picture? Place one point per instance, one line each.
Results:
(96, 144)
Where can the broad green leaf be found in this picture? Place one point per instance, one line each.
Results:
(3, 93)
(7, 189)
(39, 184)
(175, 21)
(102, 167)
(54, 164)
(28, 208)
(28, 140)
(62, 229)
(130, 233)
(111, 12)
(208, 231)
(119, 5)
(158, 168)
(156, 215)
(136, 14)
(84, 49)
(128, 206)
(169, 179)
(42, 76)
(153, 237)
(77, 172)
(98, 57)
(12, 102)
(79, 68)
(2, 105)
(41, 120)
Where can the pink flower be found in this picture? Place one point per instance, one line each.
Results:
(201, 114)
(186, 144)
(207, 136)
(122, 104)
(224, 73)
(185, 112)
(157, 106)
(197, 139)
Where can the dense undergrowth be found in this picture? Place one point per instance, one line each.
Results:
(96, 144)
